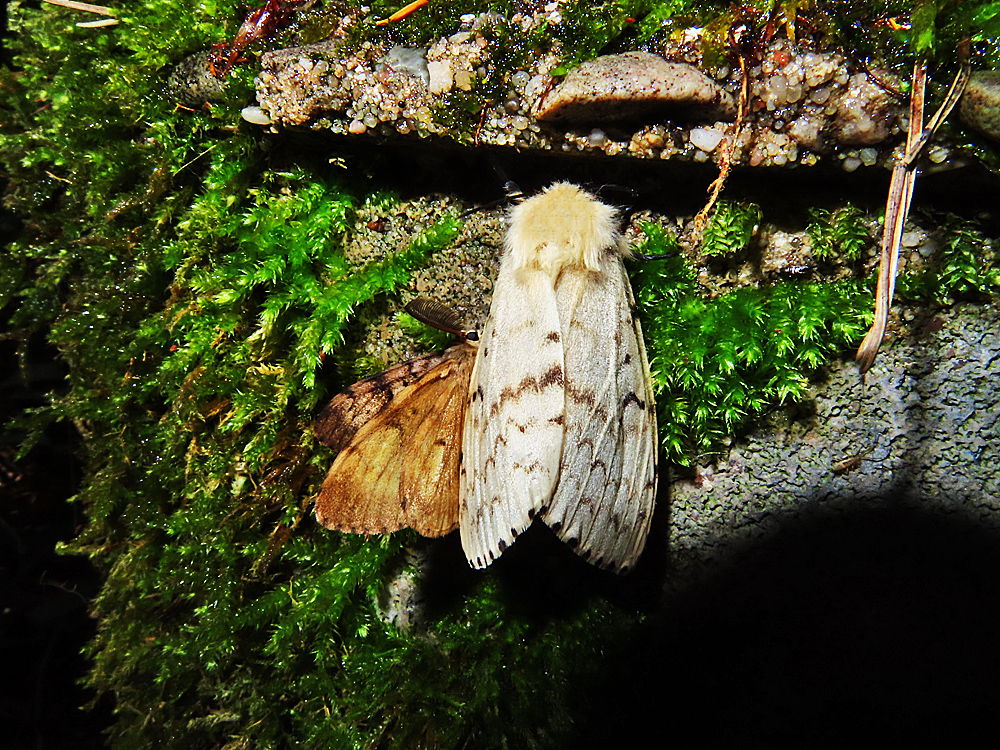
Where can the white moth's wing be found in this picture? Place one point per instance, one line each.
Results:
(514, 422)
(561, 421)
(607, 478)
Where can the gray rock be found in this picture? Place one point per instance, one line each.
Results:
(980, 104)
(409, 60)
(922, 425)
(192, 82)
(635, 86)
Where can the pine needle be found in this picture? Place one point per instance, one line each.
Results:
(87, 7)
(898, 204)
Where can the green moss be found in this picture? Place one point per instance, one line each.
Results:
(965, 264)
(718, 364)
(731, 228)
(838, 234)
(193, 288)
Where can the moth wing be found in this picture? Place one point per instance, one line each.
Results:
(430, 469)
(607, 479)
(513, 426)
(375, 484)
(348, 411)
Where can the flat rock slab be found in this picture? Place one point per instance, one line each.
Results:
(635, 87)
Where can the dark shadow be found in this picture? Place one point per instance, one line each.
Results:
(878, 624)
(416, 167)
(44, 596)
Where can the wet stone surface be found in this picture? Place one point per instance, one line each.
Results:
(980, 105)
(635, 86)
(192, 82)
(804, 105)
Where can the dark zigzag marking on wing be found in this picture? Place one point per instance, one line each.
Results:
(552, 377)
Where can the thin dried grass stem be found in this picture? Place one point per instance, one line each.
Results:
(88, 7)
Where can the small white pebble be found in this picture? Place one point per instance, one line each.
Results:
(937, 154)
(255, 115)
(820, 95)
(597, 136)
(851, 163)
(706, 139)
(439, 73)
(356, 127)
(868, 156)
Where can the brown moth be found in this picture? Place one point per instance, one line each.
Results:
(399, 435)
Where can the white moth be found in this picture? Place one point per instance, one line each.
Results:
(561, 422)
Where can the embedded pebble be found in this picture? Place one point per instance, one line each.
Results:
(597, 137)
(439, 77)
(851, 163)
(938, 154)
(409, 60)
(255, 115)
(863, 114)
(634, 86)
(192, 83)
(868, 156)
(980, 104)
(706, 139)
(807, 131)
(786, 255)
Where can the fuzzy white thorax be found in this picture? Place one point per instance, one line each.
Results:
(561, 227)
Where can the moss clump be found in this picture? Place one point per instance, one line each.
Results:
(838, 234)
(731, 228)
(964, 264)
(718, 364)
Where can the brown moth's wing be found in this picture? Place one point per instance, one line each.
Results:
(352, 408)
(401, 468)
(429, 486)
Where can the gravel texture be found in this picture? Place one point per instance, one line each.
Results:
(805, 105)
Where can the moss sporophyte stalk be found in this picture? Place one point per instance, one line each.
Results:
(205, 282)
